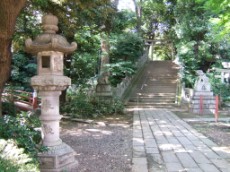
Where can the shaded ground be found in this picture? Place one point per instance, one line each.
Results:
(105, 146)
(218, 132)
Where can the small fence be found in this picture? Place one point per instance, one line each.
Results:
(25, 101)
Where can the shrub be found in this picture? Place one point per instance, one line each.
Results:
(81, 105)
(9, 108)
(21, 130)
(120, 70)
(23, 68)
(13, 159)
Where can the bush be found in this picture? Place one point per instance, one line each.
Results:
(21, 130)
(23, 68)
(13, 159)
(223, 90)
(119, 71)
(80, 105)
(9, 108)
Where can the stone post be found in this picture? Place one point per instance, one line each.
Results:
(49, 82)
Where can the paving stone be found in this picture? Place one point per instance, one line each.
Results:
(184, 141)
(173, 167)
(208, 142)
(199, 157)
(171, 145)
(193, 170)
(150, 143)
(152, 150)
(156, 158)
(137, 154)
(197, 143)
(221, 163)
(210, 154)
(137, 133)
(170, 157)
(139, 148)
(208, 168)
(177, 133)
(186, 160)
(173, 141)
(167, 147)
(138, 142)
(139, 165)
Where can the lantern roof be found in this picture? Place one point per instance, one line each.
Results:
(49, 40)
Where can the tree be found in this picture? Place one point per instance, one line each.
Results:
(9, 10)
(138, 9)
(219, 17)
(72, 14)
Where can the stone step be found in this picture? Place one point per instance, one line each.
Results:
(157, 84)
(156, 87)
(152, 99)
(139, 106)
(140, 96)
(150, 104)
(156, 90)
(152, 95)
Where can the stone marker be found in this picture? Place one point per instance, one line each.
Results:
(203, 100)
(50, 48)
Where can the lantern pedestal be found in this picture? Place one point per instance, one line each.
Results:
(57, 159)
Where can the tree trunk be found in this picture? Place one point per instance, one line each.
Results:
(115, 3)
(9, 10)
(138, 9)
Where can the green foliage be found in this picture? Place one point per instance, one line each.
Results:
(119, 71)
(21, 129)
(80, 105)
(13, 159)
(84, 62)
(8, 108)
(219, 88)
(23, 68)
(83, 67)
(220, 16)
(123, 21)
(189, 61)
(127, 47)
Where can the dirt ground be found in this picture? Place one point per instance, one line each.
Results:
(101, 146)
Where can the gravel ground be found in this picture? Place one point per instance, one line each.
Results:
(218, 132)
(102, 147)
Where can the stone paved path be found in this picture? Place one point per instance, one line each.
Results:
(162, 142)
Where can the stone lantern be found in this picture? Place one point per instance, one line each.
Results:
(50, 49)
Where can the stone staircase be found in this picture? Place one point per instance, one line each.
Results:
(156, 86)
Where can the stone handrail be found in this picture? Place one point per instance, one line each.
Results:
(121, 88)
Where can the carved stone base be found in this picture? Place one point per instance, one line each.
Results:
(57, 159)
